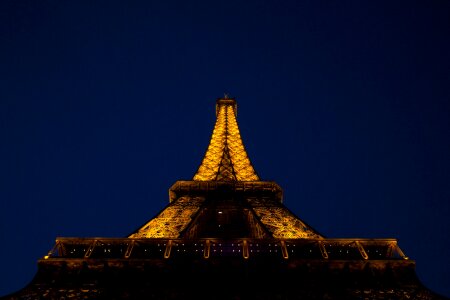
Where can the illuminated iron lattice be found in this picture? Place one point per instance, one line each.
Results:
(226, 158)
(224, 214)
(280, 222)
(172, 220)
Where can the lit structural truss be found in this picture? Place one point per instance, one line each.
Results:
(226, 158)
(226, 166)
(225, 235)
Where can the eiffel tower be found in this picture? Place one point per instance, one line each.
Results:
(225, 234)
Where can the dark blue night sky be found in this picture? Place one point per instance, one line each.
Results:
(104, 104)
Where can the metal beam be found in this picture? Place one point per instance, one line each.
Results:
(284, 250)
(361, 250)
(245, 252)
(90, 249)
(206, 249)
(168, 249)
(129, 249)
(323, 250)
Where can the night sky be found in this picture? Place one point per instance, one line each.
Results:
(105, 104)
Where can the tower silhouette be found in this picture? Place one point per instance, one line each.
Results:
(225, 234)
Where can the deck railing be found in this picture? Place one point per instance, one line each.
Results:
(128, 248)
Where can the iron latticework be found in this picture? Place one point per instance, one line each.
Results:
(226, 158)
(225, 235)
(218, 205)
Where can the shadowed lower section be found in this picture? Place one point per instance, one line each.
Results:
(224, 278)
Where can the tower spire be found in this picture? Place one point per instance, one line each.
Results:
(226, 158)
